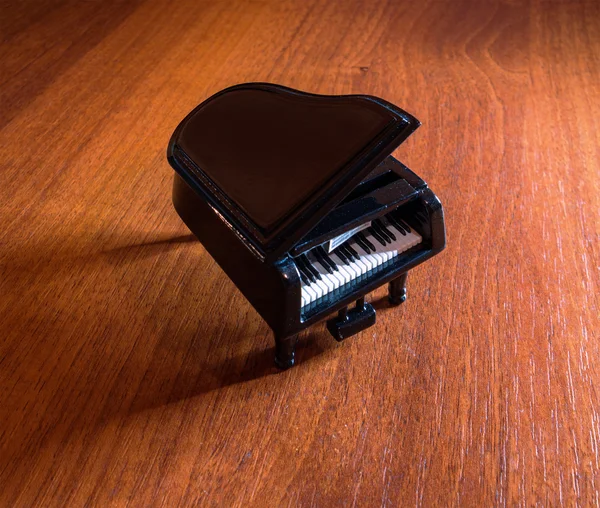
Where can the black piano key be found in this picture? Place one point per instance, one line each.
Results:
(307, 273)
(362, 243)
(375, 226)
(314, 257)
(361, 251)
(387, 231)
(381, 230)
(376, 235)
(303, 269)
(324, 258)
(321, 260)
(366, 240)
(311, 278)
(303, 278)
(327, 259)
(396, 224)
(338, 252)
(405, 225)
(312, 269)
(353, 251)
(346, 251)
(316, 263)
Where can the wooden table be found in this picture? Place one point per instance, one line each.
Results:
(133, 371)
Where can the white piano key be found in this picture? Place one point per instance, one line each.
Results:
(397, 230)
(308, 293)
(395, 248)
(392, 233)
(387, 251)
(323, 272)
(321, 288)
(325, 280)
(353, 268)
(375, 262)
(334, 276)
(344, 272)
(377, 259)
(317, 286)
(404, 243)
(364, 255)
(417, 238)
(336, 273)
(339, 277)
(328, 278)
(379, 253)
(358, 262)
(318, 289)
(414, 238)
(364, 268)
(347, 274)
(320, 283)
(358, 267)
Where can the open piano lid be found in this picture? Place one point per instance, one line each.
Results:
(274, 161)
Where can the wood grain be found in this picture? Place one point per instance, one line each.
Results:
(132, 371)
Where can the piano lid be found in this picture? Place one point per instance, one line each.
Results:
(278, 160)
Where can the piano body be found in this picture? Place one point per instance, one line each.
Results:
(297, 199)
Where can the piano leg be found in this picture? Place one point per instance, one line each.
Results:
(397, 290)
(285, 352)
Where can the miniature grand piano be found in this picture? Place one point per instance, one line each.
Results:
(297, 199)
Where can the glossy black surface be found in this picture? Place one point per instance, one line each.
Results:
(271, 281)
(269, 152)
(276, 160)
(353, 321)
(358, 211)
(274, 288)
(397, 290)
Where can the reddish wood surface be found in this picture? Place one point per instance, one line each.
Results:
(133, 372)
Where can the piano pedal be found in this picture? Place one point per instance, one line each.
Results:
(350, 322)
(397, 290)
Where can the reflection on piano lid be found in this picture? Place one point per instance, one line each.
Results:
(297, 198)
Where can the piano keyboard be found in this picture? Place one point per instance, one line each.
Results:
(321, 273)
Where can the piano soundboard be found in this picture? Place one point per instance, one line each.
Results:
(297, 198)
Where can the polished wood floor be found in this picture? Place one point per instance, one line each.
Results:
(132, 371)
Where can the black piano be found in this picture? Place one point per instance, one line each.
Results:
(297, 198)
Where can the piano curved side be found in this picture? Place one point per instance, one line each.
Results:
(272, 289)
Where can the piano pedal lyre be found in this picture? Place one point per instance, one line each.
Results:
(350, 322)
